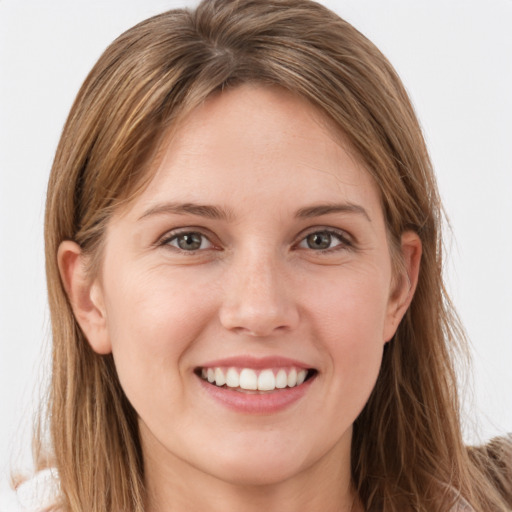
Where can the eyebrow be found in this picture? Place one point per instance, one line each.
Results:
(202, 210)
(219, 213)
(326, 209)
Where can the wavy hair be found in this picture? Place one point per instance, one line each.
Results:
(407, 448)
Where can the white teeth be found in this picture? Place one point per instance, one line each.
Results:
(266, 381)
(281, 379)
(292, 378)
(248, 379)
(220, 380)
(232, 378)
(252, 380)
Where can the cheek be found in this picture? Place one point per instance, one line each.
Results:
(349, 317)
(352, 306)
(153, 319)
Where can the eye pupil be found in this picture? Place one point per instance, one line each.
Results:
(189, 241)
(320, 240)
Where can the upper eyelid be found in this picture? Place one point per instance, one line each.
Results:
(173, 233)
(165, 239)
(343, 234)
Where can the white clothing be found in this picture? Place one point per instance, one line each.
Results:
(34, 495)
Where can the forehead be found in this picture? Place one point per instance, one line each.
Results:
(251, 145)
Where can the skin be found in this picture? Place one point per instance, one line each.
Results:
(254, 287)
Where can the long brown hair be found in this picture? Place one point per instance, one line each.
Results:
(407, 449)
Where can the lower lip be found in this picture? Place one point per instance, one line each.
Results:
(255, 403)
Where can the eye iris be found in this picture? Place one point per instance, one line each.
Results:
(189, 241)
(319, 240)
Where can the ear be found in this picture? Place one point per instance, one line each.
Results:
(406, 282)
(85, 295)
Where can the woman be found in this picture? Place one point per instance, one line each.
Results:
(244, 271)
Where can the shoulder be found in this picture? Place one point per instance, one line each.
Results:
(37, 494)
(452, 495)
(462, 506)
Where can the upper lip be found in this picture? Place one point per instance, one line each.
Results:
(256, 363)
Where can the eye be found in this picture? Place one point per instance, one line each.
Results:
(323, 240)
(188, 241)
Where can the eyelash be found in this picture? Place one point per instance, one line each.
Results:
(342, 237)
(344, 240)
(169, 237)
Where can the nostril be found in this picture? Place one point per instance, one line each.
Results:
(260, 332)
(258, 305)
(258, 323)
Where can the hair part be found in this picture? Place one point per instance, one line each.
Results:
(407, 450)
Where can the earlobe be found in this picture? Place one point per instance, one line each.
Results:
(85, 295)
(406, 282)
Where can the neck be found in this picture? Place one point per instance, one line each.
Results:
(311, 496)
(173, 485)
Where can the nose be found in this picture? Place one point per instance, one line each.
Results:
(258, 298)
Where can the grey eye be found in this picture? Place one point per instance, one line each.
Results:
(322, 240)
(319, 240)
(190, 241)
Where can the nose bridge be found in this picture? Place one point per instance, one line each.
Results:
(257, 295)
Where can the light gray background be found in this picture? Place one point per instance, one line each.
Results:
(455, 58)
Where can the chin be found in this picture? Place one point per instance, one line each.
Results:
(257, 472)
(267, 460)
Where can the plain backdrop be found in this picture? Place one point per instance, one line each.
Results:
(455, 58)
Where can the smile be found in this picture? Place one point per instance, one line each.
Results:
(251, 380)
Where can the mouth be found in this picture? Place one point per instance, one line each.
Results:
(255, 381)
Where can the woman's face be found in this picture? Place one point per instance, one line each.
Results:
(257, 255)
